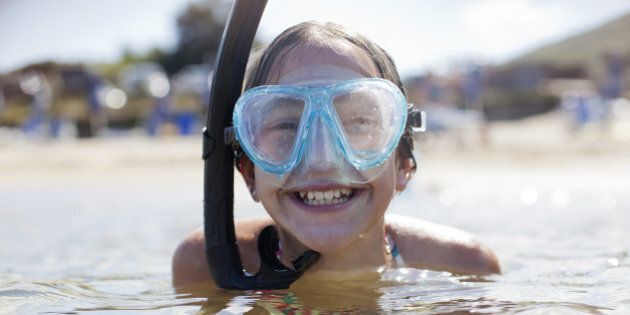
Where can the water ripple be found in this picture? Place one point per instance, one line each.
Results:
(90, 294)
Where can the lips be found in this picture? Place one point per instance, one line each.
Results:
(334, 196)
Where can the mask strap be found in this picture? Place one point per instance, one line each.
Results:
(229, 136)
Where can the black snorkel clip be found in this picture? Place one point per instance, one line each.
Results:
(222, 253)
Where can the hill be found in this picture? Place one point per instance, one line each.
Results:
(588, 48)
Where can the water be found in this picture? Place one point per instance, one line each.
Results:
(92, 246)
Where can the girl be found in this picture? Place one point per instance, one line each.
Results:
(323, 125)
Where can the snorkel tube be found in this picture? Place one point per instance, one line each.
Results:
(222, 253)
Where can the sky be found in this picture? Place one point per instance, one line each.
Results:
(419, 35)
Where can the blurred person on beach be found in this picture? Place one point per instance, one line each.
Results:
(36, 85)
(2, 100)
(326, 208)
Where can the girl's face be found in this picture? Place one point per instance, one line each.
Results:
(327, 228)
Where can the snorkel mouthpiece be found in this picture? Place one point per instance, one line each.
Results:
(222, 253)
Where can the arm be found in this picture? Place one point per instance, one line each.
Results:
(432, 246)
(189, 260)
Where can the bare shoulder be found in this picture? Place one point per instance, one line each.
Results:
(189, 260)
(189, 263)
(428, 245)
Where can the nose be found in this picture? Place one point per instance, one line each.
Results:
(322, 153)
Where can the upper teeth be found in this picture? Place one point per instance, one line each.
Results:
(325, 197)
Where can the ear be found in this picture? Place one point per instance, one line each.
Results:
(405, 168)
(249, 175)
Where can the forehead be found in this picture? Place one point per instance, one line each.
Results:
(308, 63)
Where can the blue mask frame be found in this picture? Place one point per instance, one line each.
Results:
(318, 104)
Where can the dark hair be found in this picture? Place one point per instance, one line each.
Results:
(311, 32)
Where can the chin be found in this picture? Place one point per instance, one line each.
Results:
(326, 239)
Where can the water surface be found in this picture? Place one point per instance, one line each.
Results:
(90, 247)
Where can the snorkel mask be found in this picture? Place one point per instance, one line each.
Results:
(343, 131)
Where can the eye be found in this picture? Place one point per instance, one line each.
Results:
(360, 125)
(364, 121)
(360, 121)
(286, 126)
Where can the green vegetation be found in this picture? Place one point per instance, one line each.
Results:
(199, 30)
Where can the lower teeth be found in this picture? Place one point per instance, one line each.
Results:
(321, 202)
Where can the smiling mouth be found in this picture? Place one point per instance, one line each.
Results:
(325, 197)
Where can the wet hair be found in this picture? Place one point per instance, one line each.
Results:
(327, 35)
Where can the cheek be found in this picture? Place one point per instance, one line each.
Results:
(384, 188)
(265, 191)
(268, 194)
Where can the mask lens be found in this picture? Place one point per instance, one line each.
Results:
(271, 123)
(368, 116)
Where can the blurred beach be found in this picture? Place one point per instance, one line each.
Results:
(539, 144)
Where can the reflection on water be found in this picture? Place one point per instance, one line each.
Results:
(85, 249)
(402, 290)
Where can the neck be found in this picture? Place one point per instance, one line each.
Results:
(366, 253)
